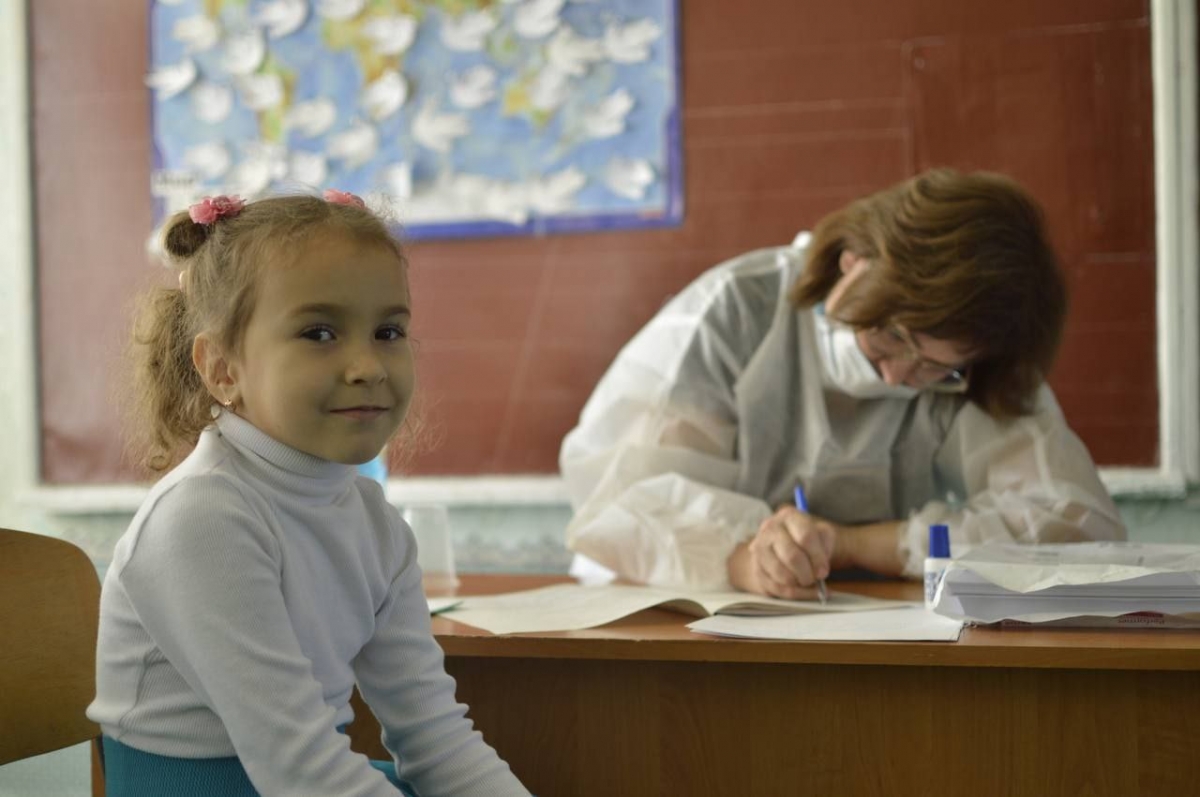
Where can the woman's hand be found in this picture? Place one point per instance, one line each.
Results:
(788, 554)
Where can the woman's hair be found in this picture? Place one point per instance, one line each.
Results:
(220, 267)
(959, 257)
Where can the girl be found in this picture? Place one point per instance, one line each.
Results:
(893, 358)
(262, 578)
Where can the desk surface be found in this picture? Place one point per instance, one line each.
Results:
(661, 635)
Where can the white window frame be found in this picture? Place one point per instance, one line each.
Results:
(1173, 36)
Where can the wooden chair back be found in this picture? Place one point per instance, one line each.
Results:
(49, 613)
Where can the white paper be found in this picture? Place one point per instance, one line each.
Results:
(570, 607)
(909, 624)
(1048, 583)
(439, 605)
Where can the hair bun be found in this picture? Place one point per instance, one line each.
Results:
(182, 237)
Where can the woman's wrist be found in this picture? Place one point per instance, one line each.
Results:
(872, 546)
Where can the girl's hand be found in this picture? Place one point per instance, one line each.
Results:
(788, 554)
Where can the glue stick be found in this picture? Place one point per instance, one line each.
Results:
(937, 561)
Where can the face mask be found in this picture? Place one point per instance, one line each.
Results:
(846, 367)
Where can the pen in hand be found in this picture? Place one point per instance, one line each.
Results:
(802, 505)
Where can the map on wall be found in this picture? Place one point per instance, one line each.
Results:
(462, 117)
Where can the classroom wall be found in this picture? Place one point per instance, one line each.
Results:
(791, 108)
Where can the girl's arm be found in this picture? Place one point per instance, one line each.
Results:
(402, 677)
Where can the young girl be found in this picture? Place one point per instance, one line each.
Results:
(262, 578)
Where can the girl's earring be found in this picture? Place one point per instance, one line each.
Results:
(229, 404)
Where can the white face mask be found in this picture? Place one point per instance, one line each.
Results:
(846, 367)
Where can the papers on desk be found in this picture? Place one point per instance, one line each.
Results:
(908, 624)
(1091, 584)
(570, 607)
(439, 605)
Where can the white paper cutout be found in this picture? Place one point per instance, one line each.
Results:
(608, 118)
(572, 54)
(211, 102)
(391, 35)
(261, 92)
(208, 161)
(468, 32)
(549, 90)
(262, 163)
(244, 51)
(473, 88)
(282, 17)
(385, 95)
(355, 146)
(629, 177)
(438, 131)
(167, 81)
(309, 168)
(535, 19)
(398, 179)
(628, 44)
(198, 33)
(555, 192)
(340, 10)
(312, 118)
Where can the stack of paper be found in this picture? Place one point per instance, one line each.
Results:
(1099, 583)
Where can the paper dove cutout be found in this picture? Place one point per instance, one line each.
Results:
(398, 179)
(555, 192)
(391, 35)
(261, 92)
(167, 81)
(211, 102)
(549, 90)
(438, 131)
(309, 168)
(384, 95)
(198, 33)
(628, 44)
(282, 17)
(209, 161)
(608, 118)
(311, 118)
(244, 51)
(473, 88)
(354, 146)
(339, 10)
(572, 54)
(628, 177)
(537, 18)
(468, 32)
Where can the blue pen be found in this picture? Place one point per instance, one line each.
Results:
(802, 505)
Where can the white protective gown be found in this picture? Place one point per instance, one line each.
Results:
(721, 405)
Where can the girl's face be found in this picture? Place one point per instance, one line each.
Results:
(325, 365)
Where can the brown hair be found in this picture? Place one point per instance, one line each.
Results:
(960, 257)
(220, 265)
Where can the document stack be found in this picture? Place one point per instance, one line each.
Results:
(1079, 584)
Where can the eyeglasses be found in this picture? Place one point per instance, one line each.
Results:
(895, 343)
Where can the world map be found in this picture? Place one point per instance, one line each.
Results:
(459, 117)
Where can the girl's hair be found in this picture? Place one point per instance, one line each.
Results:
(220, 266)
(959, 257)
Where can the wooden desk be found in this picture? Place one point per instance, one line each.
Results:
(645, 707)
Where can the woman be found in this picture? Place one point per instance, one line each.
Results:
(891, 364)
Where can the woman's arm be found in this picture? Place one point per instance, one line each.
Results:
(1030, 480)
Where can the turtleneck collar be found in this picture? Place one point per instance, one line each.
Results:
(288, 468)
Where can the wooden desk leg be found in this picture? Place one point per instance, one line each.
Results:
(97, 768)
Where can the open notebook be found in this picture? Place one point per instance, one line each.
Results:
(570, 607)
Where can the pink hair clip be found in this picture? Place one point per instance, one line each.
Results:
(213, 208)
(343, 198)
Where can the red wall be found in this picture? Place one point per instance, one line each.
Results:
(790, 109)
